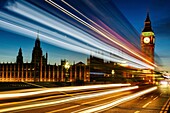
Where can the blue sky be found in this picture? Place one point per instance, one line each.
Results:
(132, 10)
(135, 11)
(12, 42)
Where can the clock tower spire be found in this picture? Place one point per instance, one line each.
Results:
(148, 39)
(148, 26)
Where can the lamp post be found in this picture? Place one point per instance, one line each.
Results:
(113, 72)
(67, 66)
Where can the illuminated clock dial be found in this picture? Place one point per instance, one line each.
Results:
(146, 40)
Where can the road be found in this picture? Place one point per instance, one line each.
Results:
(149, 103)
(88, 99)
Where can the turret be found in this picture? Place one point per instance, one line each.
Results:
(19, 58)
(147, 26)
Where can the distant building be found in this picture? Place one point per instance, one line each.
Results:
(148, 40)
(147, 47)
(39, 71)
(106, 71)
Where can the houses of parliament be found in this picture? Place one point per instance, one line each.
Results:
(96, 69)
(39, 71)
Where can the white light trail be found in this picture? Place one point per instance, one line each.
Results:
(69, 99)
(87, 45)
(46, 38)
(97, 25)
(89, 102)
(65, 28)
(61, 89)
(67, 43)
(97, 30)
(105, 106)
(105, 31)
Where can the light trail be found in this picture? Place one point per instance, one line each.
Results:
(103, 29)
(46, 38)
(61, 89)
(108, 105)
(69, 99)
(30, 26)
(73, 45)
(75, 33)
(83, 42)
(89, 19)
(89, 102)
(96, 30)
(48, 97)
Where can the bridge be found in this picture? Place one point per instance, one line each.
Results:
(94, 28)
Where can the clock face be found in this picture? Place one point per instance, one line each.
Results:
(146, 40)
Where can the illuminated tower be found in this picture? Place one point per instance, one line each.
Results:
(19, 57)
(148, 39)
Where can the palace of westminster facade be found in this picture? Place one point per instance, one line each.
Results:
(39, 71)
(96, 69)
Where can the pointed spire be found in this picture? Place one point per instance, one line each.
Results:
(148, 26)
(19, 57)
(38, 35)
(37, 42)
(20, 51)
(147, 18)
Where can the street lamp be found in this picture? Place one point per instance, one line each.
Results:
(113, 72)
(67, 66)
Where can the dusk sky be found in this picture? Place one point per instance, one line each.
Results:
(125, 18)
(135, 12)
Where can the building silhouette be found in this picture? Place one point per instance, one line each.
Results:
(147, 47)
(39, 71)
(108, 71)
(148, 39)
(96, 69)
(102, 71)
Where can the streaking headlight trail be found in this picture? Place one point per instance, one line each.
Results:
(55, 31)
(69, 99)
(61, 89)
(96, 30)
(105, 106)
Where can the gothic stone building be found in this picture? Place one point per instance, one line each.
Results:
(39, 71)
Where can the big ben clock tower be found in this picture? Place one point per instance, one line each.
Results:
(148, 39)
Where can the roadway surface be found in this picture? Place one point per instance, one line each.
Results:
(149, 103)
(55, 103)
